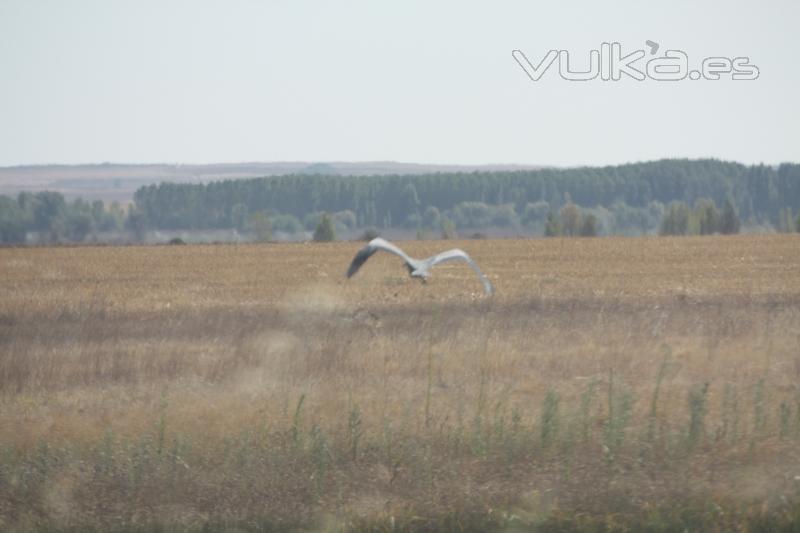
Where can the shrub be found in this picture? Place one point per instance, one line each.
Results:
(325, 231)
(549, 420)
(589, 226)
(369, 234)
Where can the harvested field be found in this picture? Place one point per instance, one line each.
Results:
(611, 382)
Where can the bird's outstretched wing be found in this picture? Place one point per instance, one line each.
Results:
(373, 246)
(461, 255)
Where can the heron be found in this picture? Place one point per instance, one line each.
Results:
(417, 268)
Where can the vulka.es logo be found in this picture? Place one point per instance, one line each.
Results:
(609, 64)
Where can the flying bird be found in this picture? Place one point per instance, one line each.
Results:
(417, 268)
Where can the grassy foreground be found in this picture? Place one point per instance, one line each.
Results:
(611, 384)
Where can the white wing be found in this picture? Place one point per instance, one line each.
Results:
(386, 246)
(461, 255)
(373, 246)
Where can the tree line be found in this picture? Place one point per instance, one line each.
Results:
(55, 219)
(671, 196)
(629, 198)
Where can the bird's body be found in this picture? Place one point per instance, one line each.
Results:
(417, 268)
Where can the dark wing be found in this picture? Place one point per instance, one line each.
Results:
(373, 246)
(360, 258)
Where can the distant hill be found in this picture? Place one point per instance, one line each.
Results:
(110, 181)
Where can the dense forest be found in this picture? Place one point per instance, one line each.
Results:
(668, 196)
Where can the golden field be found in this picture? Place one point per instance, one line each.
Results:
(625, 382)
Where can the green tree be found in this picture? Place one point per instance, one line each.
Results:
(535, 213)
(260, 226)
(46, 212)
(12, 221)
(325, 230)
(370, 214)
(409, 202)
(79, 225)
(239, 216)
(431, 218)
(757, 192)
(570, 216)
(552, 227)
(345, 218)
(471, 215)
(707, 216)
(116, 216)
(99, 215)
(58, 228)
(729, 220)
(106, 220)
(589, 227)
(47, 208)
(785, 220)
(413, 220)
(136, 223)
(676, 219)
(286, 223)
(503, 216)
(311, 220)
(448, 228)
(369, 234)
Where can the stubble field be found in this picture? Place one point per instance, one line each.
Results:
(610, 383)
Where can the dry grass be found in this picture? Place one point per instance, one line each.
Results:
(254, 384)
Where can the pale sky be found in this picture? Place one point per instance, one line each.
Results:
(412, 81)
